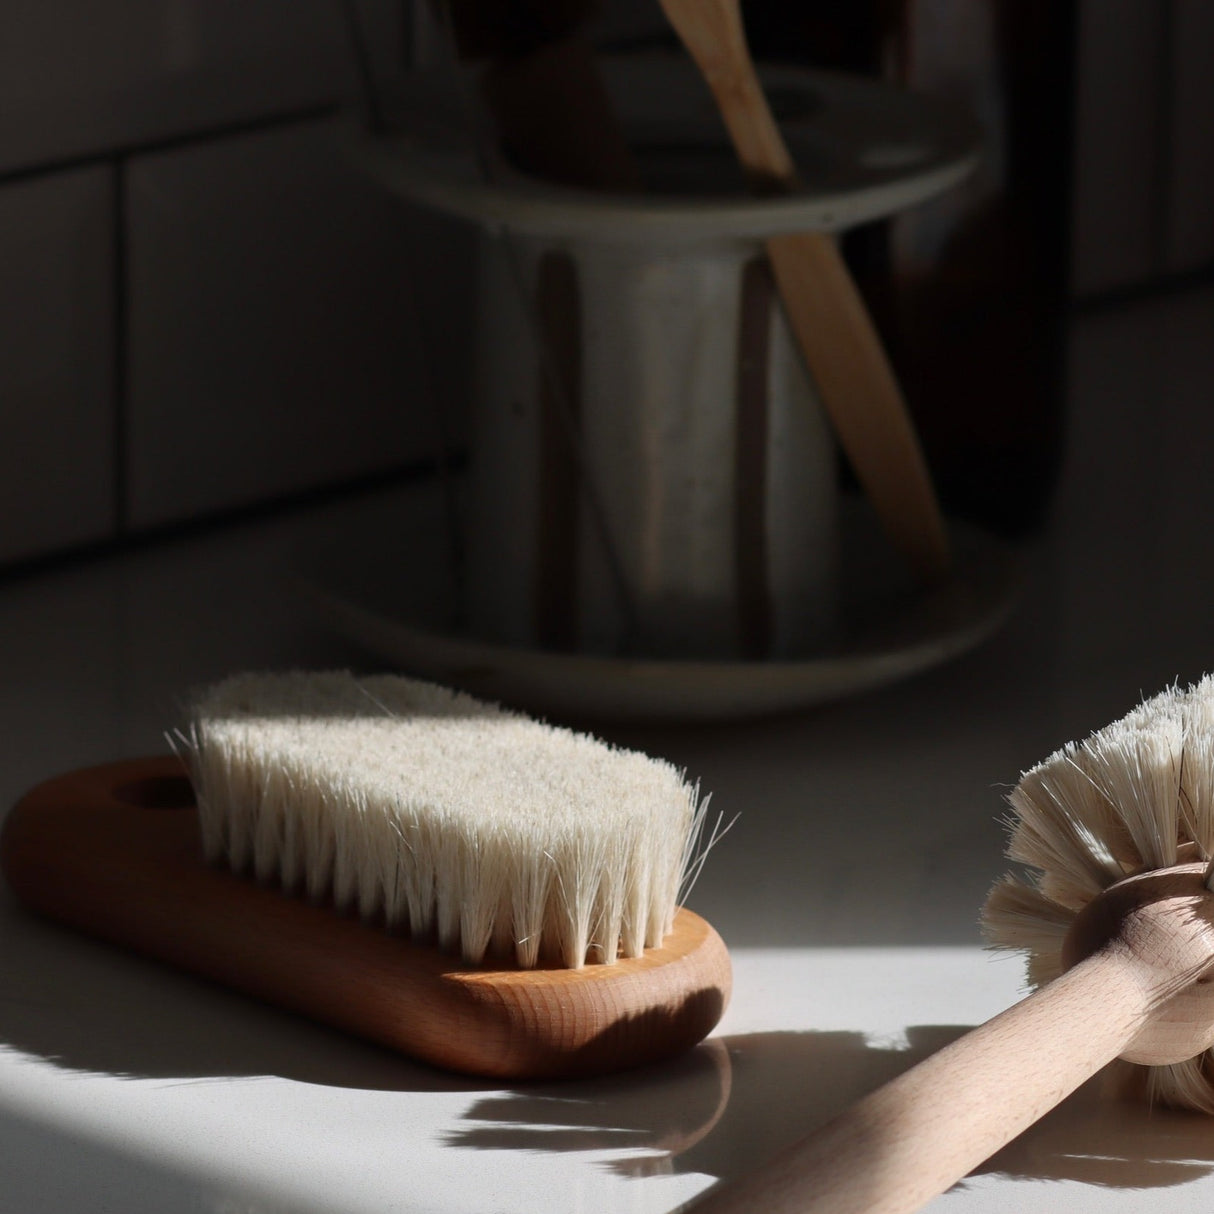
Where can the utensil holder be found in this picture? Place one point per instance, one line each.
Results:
(650, 471)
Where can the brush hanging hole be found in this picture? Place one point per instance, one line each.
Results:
(157, 792)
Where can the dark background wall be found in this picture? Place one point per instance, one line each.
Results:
(204, 307)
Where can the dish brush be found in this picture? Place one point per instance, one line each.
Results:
(482, 891)
(1117, 917)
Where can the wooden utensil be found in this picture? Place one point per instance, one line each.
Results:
(844, 354)
(542, 86)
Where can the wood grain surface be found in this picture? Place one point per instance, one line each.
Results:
(114, 851)
(1141, 957)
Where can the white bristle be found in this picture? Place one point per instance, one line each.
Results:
(1129, 797)
(1197, 774)
(437, 814)
(1183, 1084)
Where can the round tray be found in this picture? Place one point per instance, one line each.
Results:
(396, 600)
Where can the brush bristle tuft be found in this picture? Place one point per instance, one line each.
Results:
(1135, 795)
(436, 814)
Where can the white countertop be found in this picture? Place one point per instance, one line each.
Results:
(848, 891)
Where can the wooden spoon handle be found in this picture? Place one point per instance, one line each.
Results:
(835, 333)
(715, 38)
(910, 1140)
(861, 396)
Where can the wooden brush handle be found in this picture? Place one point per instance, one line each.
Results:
(910, 1140)
(114, 851)
(832, 327)
(1140, 955)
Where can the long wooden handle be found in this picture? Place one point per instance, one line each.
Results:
(910, 1140)
(114, 851)
(861, 395)
(832, 327)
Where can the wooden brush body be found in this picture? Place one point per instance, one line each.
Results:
(115, 851)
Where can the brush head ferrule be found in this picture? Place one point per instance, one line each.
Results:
(1164, 920)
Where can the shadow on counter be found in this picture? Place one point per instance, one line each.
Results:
(87, 1006)
(719, 1110)
(734, 1102)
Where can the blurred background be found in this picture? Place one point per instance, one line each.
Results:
(205, 309)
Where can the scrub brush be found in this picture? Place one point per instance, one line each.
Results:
(1118, 920)
(477, 889)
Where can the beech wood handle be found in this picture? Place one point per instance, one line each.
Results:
(833, 329)
(910, 1140)
(114, 851)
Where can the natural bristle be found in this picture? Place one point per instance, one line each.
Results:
(1136, 795)
(437, 814)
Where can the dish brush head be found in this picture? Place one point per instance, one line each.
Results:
(1136, 795)
(437, 814)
